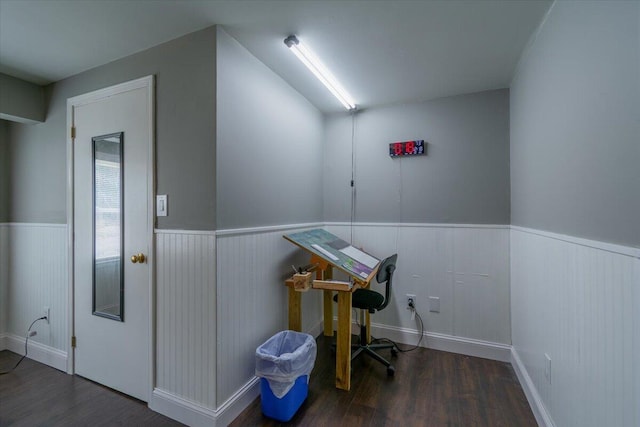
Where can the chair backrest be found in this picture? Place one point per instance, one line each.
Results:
(385, 275)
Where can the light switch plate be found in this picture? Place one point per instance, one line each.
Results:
(161, 205)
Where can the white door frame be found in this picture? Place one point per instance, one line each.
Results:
(149, 84)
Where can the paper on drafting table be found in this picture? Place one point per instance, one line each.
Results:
(360, 256)
(324, 251)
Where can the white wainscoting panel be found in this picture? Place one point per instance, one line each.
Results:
(466, 266)
(636, 335)
(4, 278)
(577, 302)
(35, 275)
(481, 284)
(252, 300)
(186, 316)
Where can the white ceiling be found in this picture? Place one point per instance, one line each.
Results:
(382, 51)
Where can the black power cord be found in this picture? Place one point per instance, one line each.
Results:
(378, 340)
(25, 345)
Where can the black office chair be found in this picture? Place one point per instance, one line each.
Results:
(366, 299)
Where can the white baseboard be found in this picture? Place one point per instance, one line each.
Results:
(535, 401)
(229, 410)
(460, 345)
(196, 415)
(183, 410)
(39, 352)
(3, 342)
(443, 342)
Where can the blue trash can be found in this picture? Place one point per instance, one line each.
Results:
(284, 363)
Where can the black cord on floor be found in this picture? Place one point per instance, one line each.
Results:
(25, 345)
(377, 340)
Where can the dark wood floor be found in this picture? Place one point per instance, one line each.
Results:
(38, 395)
(430, 388)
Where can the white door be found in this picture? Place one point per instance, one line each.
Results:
(112, 223)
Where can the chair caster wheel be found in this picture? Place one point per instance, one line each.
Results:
(391, 371)
(394, 352)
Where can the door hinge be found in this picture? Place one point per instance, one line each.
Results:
(73, 132)
(73, 342)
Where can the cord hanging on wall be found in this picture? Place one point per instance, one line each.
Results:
(353, 172)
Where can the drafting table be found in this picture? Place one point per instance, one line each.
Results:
(328, 252)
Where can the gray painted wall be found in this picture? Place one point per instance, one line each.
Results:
(575, 127)
(4, 173)
(21, 101)
(269, 145)
(185, 134)
(463, 179)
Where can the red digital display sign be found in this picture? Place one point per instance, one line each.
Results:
(407, 148)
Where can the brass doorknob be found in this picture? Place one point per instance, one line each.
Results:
(138, 258)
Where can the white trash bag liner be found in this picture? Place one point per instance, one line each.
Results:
(283, 358)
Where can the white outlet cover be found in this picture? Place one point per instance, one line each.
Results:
(434, 304)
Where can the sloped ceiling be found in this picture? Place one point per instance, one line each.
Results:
(383, 52)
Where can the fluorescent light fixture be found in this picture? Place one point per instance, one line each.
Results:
(320, 71)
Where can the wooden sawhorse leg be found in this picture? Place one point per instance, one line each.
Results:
(343, 345)
(327, 303)
(295, 310)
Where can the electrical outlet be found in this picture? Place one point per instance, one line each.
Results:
(47, 314)
(547, 367)
(411, 300)
(434, 304)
